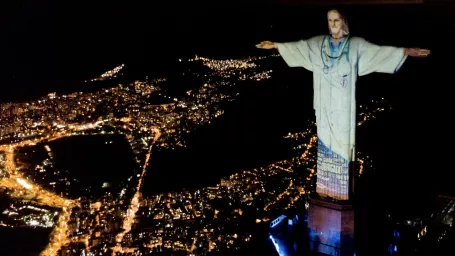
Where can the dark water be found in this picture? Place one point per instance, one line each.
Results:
(23, 241)
(86, 162)
(93, 160)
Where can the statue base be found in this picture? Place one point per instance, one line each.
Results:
(331, 227)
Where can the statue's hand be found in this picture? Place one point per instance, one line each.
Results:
(267, 45)
(416, 52)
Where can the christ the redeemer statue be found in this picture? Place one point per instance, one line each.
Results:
(336, 60)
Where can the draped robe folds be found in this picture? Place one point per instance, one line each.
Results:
(334, 99)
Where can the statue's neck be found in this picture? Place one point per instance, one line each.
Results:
(336, 38)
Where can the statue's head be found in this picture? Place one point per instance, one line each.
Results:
(338, 24)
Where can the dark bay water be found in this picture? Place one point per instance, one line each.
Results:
(87, 162)
(23, 241)
(94, 160)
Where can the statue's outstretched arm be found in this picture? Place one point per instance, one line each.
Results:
(416, 52)
(267, 45)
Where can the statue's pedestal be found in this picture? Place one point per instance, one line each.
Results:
(331, 227)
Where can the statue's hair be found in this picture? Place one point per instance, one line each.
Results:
(344, 20)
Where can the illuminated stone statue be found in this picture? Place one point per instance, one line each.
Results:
(336, 60)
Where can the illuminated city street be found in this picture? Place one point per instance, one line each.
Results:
(134, 206)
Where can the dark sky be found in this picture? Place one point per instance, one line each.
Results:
(48, 41)
(53, 34)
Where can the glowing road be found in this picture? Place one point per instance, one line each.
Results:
(134, 205)
(59, 236)
(23, 188)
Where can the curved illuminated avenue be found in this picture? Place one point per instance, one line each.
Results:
(59, 236)
(22, 188)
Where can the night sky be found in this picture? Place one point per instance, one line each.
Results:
(45, 39)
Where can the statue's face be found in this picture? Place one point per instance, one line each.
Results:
(335, 23)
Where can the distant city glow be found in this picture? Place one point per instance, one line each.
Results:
(108, 74)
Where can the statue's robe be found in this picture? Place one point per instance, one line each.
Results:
(334, 80)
